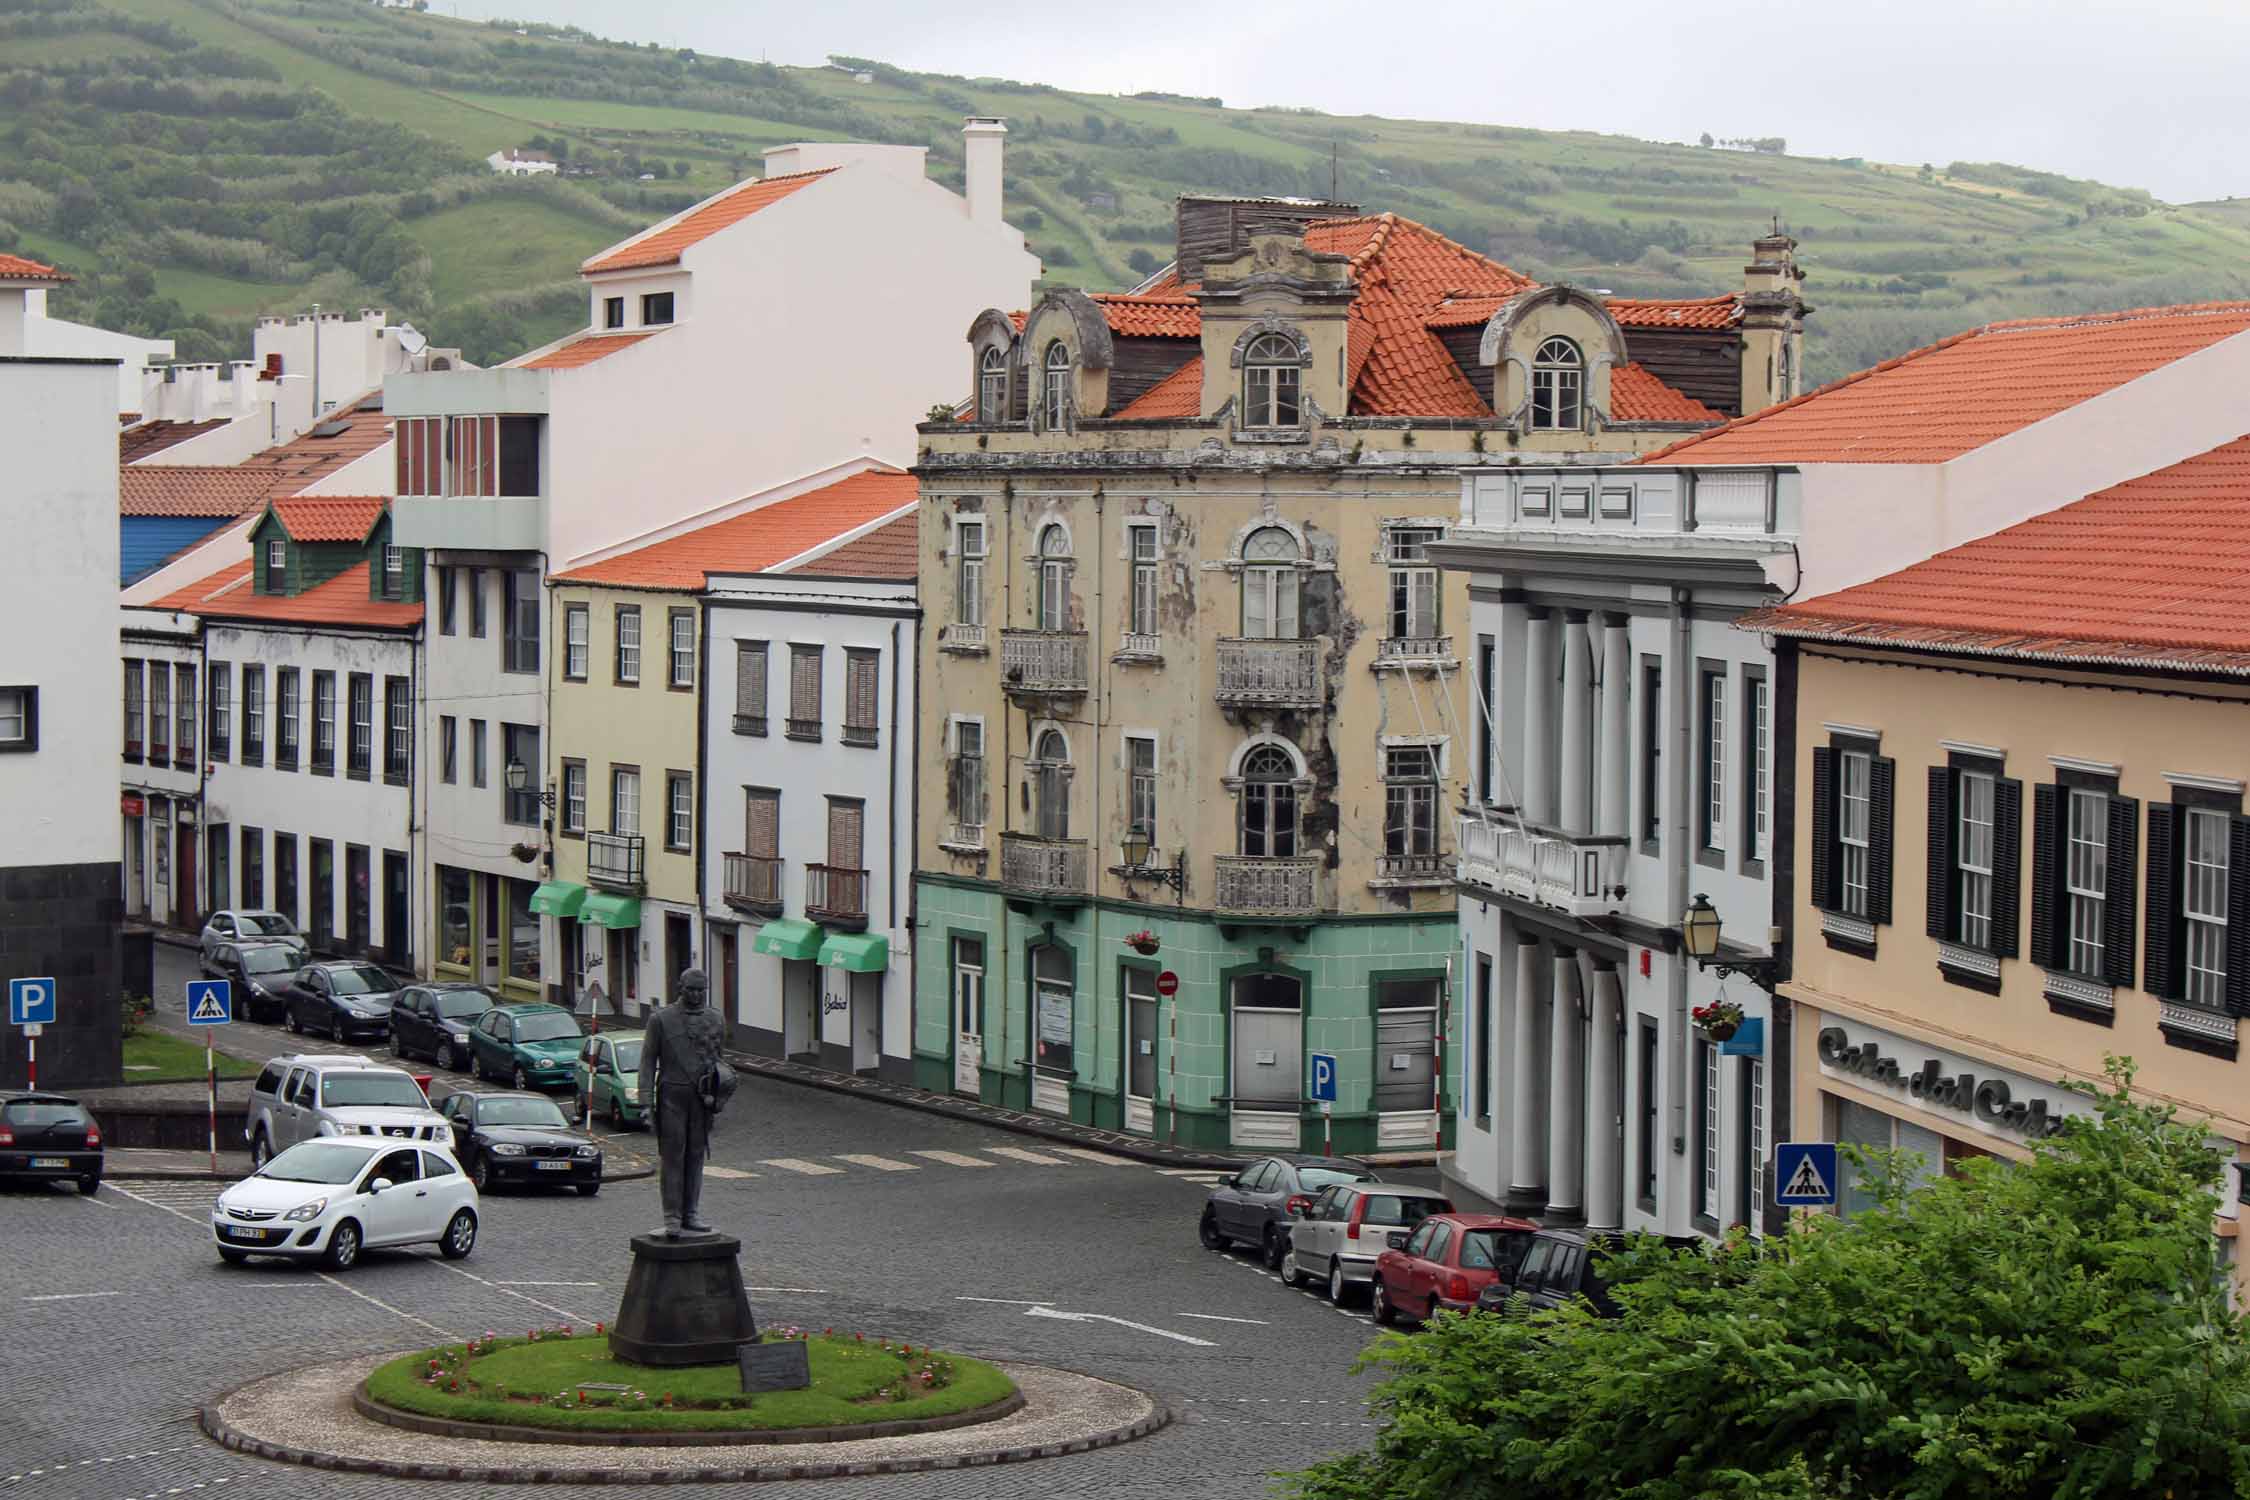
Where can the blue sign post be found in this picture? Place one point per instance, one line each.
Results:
(1324, 1094)
(31, 1005)
(1806, 1174)
(210, 1002)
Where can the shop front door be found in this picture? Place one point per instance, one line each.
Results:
(1140, 1051)
(968, 1016)
(1266, 1059)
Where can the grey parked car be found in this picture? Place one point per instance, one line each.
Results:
(1253, 1207)
(1337, 1239)
(300, 1098)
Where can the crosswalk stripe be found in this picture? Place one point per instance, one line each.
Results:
(1017, 1153)
(880, 1163)
(1192, 1174)
(951, 1158)
(727, 1174)
(795, 1164)
(1098, 1158)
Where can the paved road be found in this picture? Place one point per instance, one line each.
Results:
(854, 1215)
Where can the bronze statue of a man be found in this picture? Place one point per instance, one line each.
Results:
(681, 1086)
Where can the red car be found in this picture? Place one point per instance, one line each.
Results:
(1445, 1262)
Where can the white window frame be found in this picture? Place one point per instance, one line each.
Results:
(1054, 389)
(1756, 1125)
(362, 748)
(969, 548)
(624, 801)
(394, 571)
(15, 714)
(1270, 594)
(2086, 878)
(1272, 382)
(992, 385)
(1558, 386)
(1415, 601)
(1709, 1135)
(629, 644)
(682, 661)
(679, 828)
(2203, 905)
(1715, 759)
(1141, 550)
(578, 626)
(1972, 855)
(1855, 786)
(1140, 782)
(574, 796)
(1759, 695)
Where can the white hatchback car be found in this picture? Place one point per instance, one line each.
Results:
(329, 1199)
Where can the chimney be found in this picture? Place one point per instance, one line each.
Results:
(983, 139)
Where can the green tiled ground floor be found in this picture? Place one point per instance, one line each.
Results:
(1048, 1008)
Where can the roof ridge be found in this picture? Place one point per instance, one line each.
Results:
(2120, 315)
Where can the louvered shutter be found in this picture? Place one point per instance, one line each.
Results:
(2047, 903)
(2007, 866)
(859, 707)
(1882, 795)
(2118, 904)
(2160, 969)
(1824, 861)
(2238, 916)
(844, 825)
(750, 679)
(402, 462)
(762, 834)
(804, 684)
(1939, 896)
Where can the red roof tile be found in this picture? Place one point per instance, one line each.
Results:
(191, 490)
(1177, 395)
(140, 440)
(17, 268)
(2154, 571)
(342, 600)
(663, 246)
(1695, 312)
(329, 518)
(1939, 402)
(891, 550)
(1637, 396)
(1150, 317)
(584, 351)
(755, 540)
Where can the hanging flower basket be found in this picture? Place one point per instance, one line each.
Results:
(1143, 942)
(1718, 1020)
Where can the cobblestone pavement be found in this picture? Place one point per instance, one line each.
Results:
(854, 1213)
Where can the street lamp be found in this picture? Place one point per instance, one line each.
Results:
(518, 777)
(1138, 848)
(1699, 935)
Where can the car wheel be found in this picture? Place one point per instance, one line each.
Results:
(343, 1246)
(1275, 1248)
(335, 1027)
(616, 1113)
(445, 1054)
(1208, 1232)
(1290, 1274)
(261, 1151)
(480, 1172)
(519, 1080)
(1384, 1312)
(232, 1256)
(1339, 1290)
(398, 1044)
(296, 1022)
(89, 1186)
(588, 1189)
(460, 1235)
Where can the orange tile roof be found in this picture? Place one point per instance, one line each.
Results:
(2154, 571)
(663, 246)
(1948, 398)
(1179, 394)
(1635, 395)
(1170, 317)
(755, 540)
(17, 268)
(342, 600)
(1694, 312)
(585, 350)
(329, 518)
(891, 550)
(143, 438)
(190, 490)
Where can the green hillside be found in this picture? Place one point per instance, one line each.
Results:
(195, 162)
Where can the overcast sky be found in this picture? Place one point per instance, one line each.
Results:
(2148, 93)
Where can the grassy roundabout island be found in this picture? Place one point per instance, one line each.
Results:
(568, 1381)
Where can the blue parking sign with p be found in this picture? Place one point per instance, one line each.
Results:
(210, 1002)
(1324, 1077)
(31, 1002)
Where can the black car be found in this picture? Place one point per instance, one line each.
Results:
(342, 1000)
(50, 1136)
(433, 1021)
(261, 974)
(520, 1139)
(1561, 1264)
(1253, 1205)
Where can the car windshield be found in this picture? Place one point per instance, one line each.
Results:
(360, 979)
(317, 1161)
(1492, 1249)
(541, 1112)
(268, 924)
(545, 1026)
(1316, 1178)
(629, 1056)
(463, 1005)
(42, 1112)
(396, 1090)
(1384, 1208)
(269, 961)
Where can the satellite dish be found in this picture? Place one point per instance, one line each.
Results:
(412, 339)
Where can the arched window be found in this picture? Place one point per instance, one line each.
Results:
(1558, 379)
(1050, 772)
(1270, 382)
(992, 385)
(1269, 803)
(1269, 585)
(1054, 579)
(1055, 393)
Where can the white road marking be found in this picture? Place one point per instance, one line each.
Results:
(1043, 1311)
(1017, 1153)
(791, 1291)
(727, 1174)
(1220, 1318)
(152, 1203)
(443, 1333)
(507, 1292)
(799, 1165)
(70, 1296)
(1098, 1158)
(880, 1163)
(115, 1458)
(546, 1283)
(951, 1158)
(1195, 1175)
(1006, 1301)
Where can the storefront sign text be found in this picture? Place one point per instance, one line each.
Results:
(1988, 1100)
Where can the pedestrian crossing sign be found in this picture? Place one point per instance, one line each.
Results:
(1806, 1171)
(210, 1002)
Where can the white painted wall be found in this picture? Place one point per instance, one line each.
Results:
(58, 608)
(162, 641)
(26, 330)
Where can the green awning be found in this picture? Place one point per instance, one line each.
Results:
(789, 937)
(603, 910)
(558, 898)
(860, 952)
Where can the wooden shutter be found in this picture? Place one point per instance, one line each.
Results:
(1939, 895)
(2118, 914)
(2160, 969)
(2007, 866)
(761, 834)
(1882, 796)
(1825, 865)
(402, 456)
(750, 679)
(804, 684)
(859, 690)
(844, 833)
(2049, 908)
(2238, 916)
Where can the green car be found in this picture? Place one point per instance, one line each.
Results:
(609, 1079)
(526, 1046)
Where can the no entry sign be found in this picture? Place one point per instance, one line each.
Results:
(1167, 983)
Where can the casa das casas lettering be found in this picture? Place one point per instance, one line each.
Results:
(1987, 1099)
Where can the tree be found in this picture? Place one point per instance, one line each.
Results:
(679, 169)
(1705, 139)
(2050, 1331)
(1143, 261)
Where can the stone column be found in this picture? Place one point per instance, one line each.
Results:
(1577, 725)
(1527, 1192)
(1605, 1108)
(1566, 1099)
(1616, 736)
(1538, 789)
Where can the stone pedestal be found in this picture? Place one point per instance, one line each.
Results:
(684, 1302)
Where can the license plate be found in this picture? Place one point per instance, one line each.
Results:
(62, 1162)
(256, 1236)
(554, 1166)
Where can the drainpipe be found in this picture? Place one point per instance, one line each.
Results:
(1101, 680)
(1676, 873)
(730, 1007)
(1007, 802)
(890, 855)
(914, 824)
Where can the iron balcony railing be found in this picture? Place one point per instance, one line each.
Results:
(1414, 652)
(1248, 885)
(752, 883)
(617, 861)
(1043, 661)
(1273, 674)
(1050, 868)
(836, 896)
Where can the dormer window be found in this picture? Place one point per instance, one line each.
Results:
(1270, 382)
(613, 312)
(992, 386)
(1558, 381)
(277, 567)
(1054, 405)
(656, 307)
(394, 572)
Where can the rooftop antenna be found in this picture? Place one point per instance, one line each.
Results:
(1332, 170)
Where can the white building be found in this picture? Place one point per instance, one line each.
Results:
(59, 710)
(27, 331)
(765, 342)
(162, 785)
(517, 162)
